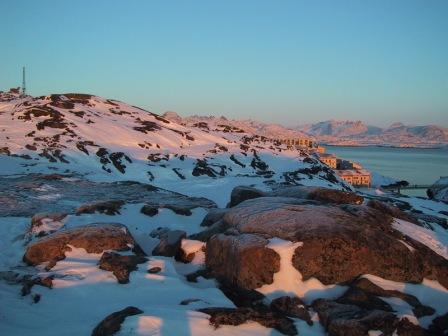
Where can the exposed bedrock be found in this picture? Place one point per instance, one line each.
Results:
(94, 238)
(340, 242)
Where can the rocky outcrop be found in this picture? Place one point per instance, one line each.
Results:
(242, 193)
(112, 323)
(319, 194)
(242, 260)
(341, 319)
(237, 316)
(170, 243)
(94, 238)
(340, 242)
(46, 223)
(105, 207)
(213, 216)
(292, 307)
(365, 294)
(120, 265)
(392, 211)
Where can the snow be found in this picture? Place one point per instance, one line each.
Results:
(288, 280)
(83, 294)
(429, 293)
(48, 225)
(436, 242)
(191, 246)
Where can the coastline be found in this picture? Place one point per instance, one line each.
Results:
(385, 146)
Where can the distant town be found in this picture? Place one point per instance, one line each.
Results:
(351, 172)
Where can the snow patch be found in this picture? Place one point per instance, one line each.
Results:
(288, 280)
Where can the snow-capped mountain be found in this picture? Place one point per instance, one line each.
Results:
(92, 135)
(358, 133)
(273, 131)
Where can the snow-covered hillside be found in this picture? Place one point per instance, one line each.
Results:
(118, 221)
(355, 133)
(91, 135)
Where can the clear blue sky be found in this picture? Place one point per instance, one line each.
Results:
(285, 61)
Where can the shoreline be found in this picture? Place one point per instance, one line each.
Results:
(385, 146)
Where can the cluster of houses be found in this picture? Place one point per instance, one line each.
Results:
(350, 172)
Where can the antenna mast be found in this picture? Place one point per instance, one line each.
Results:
(23, 83)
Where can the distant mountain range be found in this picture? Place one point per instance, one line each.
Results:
(331, 132)
(273, 131)
(357, 133)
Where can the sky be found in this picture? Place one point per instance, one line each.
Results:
(290, 62)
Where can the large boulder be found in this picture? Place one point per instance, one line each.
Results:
(94, 238)
(343, 319)
(45, 223)
(105, 207)
(112, 323)
(340, 242)
(319, 194)
(170, 243)
(236, 316)
(242, 193)
(120, 265)
(242, 260)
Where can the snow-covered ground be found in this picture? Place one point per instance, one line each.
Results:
(102, 140)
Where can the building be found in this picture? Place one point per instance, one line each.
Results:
(355, 177)
(329, 159)
(300, 142)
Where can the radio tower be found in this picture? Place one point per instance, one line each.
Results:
(23, 83)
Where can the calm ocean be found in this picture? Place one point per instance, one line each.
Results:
(415, 165)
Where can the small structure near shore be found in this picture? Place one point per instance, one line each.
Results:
(356, 177)
(330, 160)
(300, 142)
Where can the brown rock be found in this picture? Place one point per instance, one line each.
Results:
(213, 216)
(94, 238)
(292, 307)
(439, 325)
(170, 243)
(120, 265)
(149, 210)
(154, 270)
(368, 287)
(323, 195)
(237, 316)
(112, 323)
(105, 207)
(392, 211)
(242, 193)
(243, 261)
(37, 222)
(347, 320)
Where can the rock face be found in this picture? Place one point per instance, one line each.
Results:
(242, 193)
(94, 238)
(319, 194)
(112, 323)
(340, 242)
(293, 307)
(120, 266)
(392, 211)
(45, 223)
(341, 320)
(170, 243)
(237, 316)
(106, 207)
(242, 260)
